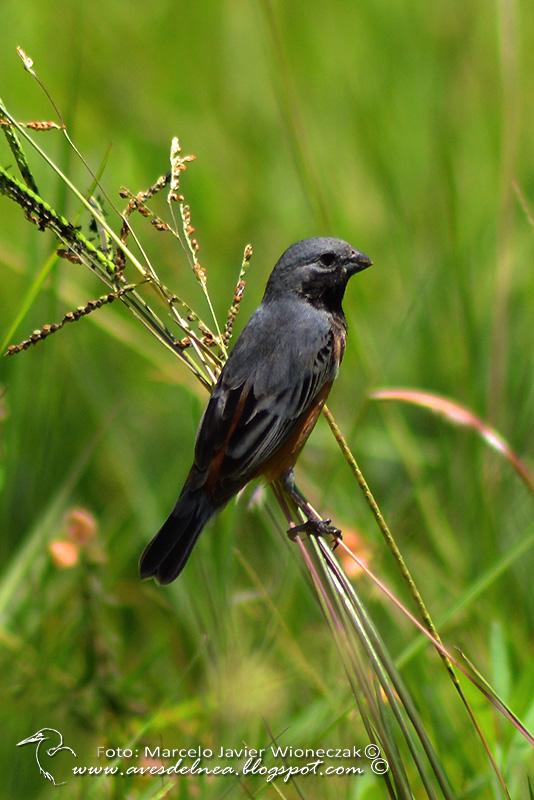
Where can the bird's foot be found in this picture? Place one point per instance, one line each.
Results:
(316, 527)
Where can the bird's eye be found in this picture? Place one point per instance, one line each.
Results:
(327, 259)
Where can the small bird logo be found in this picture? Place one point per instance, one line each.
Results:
(46, 735)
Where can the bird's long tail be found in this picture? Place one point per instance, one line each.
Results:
(166, 555)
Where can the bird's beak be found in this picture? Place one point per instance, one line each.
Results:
(357, 262)
(33, 738)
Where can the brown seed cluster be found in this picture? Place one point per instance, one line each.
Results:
(208, 337)
(71, 316)
(69, 255)
(178, 165)
(37, 125)
(160, 225)
(137, 203)
(238, 295)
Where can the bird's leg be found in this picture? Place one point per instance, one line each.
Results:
(314, 525)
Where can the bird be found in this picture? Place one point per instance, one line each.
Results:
(267, 398)
(43, 735)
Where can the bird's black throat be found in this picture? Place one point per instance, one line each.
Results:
(326, 295)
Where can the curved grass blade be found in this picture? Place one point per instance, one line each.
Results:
(460, 415)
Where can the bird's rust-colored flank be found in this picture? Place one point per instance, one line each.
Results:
(285, 458)
(269, 393)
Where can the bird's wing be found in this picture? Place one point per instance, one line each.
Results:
(263, 390)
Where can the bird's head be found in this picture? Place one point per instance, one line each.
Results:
(317, 269)
(37, 737)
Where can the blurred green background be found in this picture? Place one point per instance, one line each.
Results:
(405, 128)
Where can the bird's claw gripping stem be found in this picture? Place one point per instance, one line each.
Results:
(316, 527)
